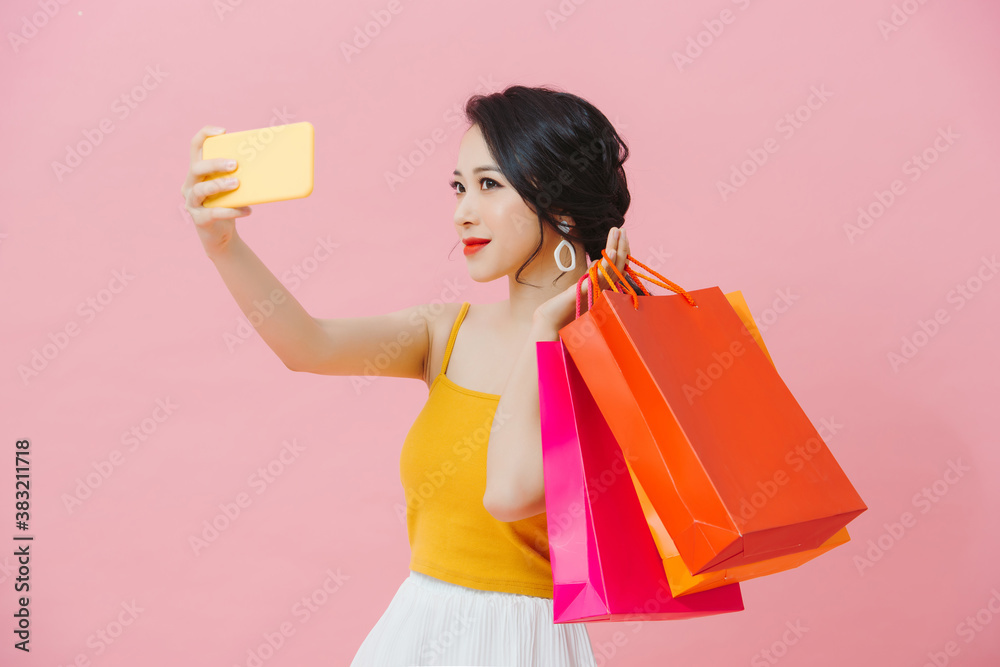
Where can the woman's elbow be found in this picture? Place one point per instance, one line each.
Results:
(510, 506)
(498, 506)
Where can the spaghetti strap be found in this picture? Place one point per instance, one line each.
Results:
(454, 334)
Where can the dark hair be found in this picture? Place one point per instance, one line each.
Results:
(562, 155)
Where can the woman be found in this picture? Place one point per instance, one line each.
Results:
(539, 181)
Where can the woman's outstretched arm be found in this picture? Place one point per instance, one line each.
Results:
(394, 344)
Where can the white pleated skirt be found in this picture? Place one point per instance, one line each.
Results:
(435, 622)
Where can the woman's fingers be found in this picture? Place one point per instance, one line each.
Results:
(199, 138)
(617, 249)
(215, 166)
(617, 252)
(202, 189)
(196, 145)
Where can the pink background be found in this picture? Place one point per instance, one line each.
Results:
(779, 238)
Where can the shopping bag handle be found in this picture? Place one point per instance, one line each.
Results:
(627, 285)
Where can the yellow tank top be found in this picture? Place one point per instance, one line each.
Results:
(443, 470)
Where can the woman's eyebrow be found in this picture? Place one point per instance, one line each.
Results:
(488, 167)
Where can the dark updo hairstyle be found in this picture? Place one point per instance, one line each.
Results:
(562, 155)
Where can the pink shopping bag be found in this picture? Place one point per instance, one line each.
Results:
(605, 564)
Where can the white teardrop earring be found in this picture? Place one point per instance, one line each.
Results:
(572, 251)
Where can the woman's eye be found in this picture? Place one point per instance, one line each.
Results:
(455, 185)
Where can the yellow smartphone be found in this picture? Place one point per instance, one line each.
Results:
(273, 164)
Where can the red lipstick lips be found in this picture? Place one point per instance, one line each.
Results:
(473, 245)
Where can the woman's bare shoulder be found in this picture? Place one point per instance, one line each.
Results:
(440, 318)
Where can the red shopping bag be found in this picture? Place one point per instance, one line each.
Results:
(681, 581)
(605, 565)
(729, 460)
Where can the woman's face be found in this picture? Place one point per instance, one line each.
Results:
(489, 208)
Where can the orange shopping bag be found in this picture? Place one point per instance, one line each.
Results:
(732, 465)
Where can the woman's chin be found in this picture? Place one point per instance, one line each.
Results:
(481, 276)
(481, 272)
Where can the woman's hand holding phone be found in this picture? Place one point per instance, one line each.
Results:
(216, 226)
